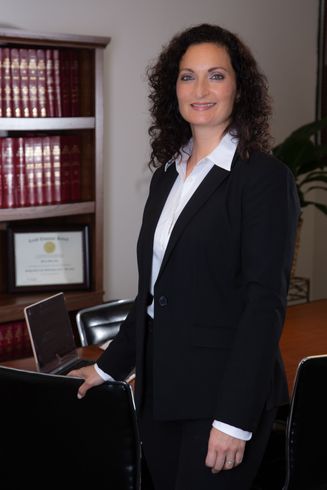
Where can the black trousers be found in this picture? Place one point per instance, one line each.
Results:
(175, 451)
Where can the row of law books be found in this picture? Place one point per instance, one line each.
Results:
(39, 82)
(40, 170)
(14, 341)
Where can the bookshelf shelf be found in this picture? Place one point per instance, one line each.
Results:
(86, 125)
(50, 211)
(46, 123)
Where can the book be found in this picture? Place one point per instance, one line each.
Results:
(20, 184)
(65, 82)
(65, 168)
(1, 188)
(29, 171)
(6, 84)
(74, 82)
(1, 54)
(75, 162)
(41, 83)
(38, 170)
(32, 82)
(8, 198)
(15, 83)
(24, 83)
(48, 174)
(50, 83)
(55, 154)
(57, 84)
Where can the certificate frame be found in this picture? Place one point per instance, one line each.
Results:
(48, 258)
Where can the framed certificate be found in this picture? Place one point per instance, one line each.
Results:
(48, 258)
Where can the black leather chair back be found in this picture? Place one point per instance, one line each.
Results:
(295, 458)
(306, 436)
(100, 323)
(50, 439)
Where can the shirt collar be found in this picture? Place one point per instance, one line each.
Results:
(222, 155)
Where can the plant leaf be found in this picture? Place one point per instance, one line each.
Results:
(310, 129)
(318, 205)
(316, 187)
(295, 152)
(313, 178)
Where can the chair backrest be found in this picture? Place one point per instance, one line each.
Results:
(101, 323)
(50, 439)
(307, 427)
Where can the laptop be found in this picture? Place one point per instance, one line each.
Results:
(51, 336)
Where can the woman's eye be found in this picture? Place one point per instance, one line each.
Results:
(186, 77)
(217, 76)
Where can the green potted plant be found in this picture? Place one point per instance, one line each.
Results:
(303, 152)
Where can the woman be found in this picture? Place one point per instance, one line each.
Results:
(214, 257)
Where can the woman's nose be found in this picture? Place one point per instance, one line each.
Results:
(201, 88)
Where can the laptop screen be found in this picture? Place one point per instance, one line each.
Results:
(50, 332)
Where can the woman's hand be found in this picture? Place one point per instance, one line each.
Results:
(224, 451)
(90, 376)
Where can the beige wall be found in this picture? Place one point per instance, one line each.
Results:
(282, 35)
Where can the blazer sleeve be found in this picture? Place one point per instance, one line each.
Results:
(270, 211)
(118, 360)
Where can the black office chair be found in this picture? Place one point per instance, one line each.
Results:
(101, 323)
(302, 449)
(50, 439)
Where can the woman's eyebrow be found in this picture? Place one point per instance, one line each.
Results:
(210, 69)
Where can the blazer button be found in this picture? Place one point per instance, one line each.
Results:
(163, 301)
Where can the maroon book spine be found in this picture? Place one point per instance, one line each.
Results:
(24, 83)
(65, 171)
(57, 83)
(50, 85)
(6, 341)
(8, 172)
(65, 82)
(20, 175)
(38, 170)
(41, 84)
(14, 341)
(32, 83)
(15, 83)
(75, 158)
(1, 91)
(56, 167)
(1, 187)
(29, 171)
(6, 84)
(74, 83)
(48, 176)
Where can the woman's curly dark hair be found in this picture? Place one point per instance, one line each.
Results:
(252, 108)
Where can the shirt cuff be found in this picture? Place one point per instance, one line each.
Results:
(102, 374)
(244, 435)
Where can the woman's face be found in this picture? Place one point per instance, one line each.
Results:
(206, 87)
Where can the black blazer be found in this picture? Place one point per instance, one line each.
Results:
(220, 296)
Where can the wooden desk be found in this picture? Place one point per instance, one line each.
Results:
(304, 334)
(89, 352)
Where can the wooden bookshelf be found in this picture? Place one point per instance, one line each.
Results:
(89, 124)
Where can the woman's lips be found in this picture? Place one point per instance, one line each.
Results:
(202, 106)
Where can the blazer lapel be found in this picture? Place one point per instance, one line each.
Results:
(162, 189)
(209, 184)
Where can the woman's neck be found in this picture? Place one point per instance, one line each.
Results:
(204, 143)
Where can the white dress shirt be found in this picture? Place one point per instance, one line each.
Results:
(181, 192)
